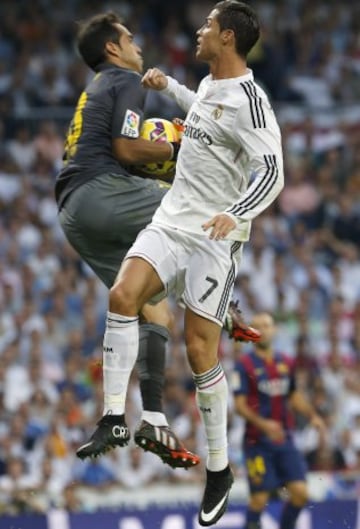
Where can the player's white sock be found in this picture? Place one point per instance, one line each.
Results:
(120, 349)
(212, 399)
(156, 418)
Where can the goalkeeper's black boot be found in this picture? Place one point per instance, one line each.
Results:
(112, 431)
(162, 441)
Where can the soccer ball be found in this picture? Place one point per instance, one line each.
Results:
(158, 129)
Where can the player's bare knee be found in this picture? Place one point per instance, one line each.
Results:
(258, 501)
(122, 301)
(298, 494)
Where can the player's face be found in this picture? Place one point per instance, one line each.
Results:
(129, 52)
(265, 324)
(208, 39)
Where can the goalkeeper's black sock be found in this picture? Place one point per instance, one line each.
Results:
(151, 365)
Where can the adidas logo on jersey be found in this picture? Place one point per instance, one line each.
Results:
(197, 133)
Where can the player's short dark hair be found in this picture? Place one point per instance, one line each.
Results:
(242, 20)
(93, 34)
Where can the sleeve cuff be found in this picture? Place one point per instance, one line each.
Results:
(169, 90)
(233, 217)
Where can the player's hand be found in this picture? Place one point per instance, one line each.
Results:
(273, 430)
(221, 225)
(155, 79)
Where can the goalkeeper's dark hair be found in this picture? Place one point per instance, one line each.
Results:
(242, 20)
(93, 34)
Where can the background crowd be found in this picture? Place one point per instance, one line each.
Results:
(302, 263)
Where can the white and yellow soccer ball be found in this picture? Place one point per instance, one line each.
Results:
(159, 129)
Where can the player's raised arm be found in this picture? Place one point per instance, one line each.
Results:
(157, 80)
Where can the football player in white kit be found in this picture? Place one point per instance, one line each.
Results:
(229, 169)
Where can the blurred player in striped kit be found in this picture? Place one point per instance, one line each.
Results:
(265, 393)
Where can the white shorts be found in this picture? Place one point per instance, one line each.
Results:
(199, 271)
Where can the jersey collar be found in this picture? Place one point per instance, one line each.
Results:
(248, 76)
(111, 66)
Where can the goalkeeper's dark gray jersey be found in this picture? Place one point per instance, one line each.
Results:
(111, 106)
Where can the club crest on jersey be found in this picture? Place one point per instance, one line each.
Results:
(131, 124)
(217, 113)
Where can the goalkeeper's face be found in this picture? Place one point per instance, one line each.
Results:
(129, 53)
(209, 39)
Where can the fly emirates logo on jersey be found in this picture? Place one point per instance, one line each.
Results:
(194, 132)
(275, 387)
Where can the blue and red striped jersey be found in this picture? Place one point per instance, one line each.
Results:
(267, 385)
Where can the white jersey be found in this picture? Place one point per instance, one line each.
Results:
(230, 158)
